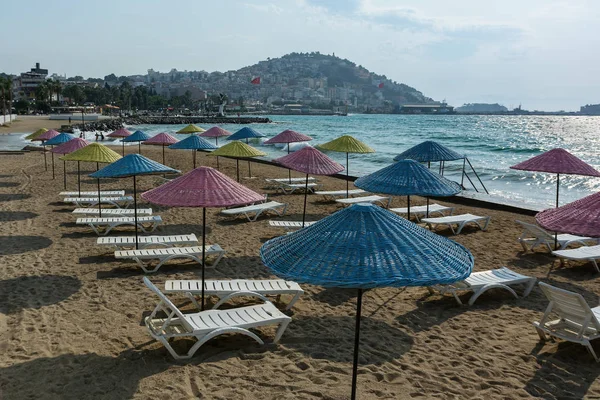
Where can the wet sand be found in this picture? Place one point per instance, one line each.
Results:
(71, 315)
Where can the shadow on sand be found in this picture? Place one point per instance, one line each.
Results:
(35, 291)
(13, 197)
(22, 244)
(6, 216)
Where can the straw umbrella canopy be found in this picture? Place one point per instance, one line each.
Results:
(194, 143)
(310, 161)
(35, 134)
(346, 144)
(55, 141)
(430, 151)
(246, 133)
(237, 150)
(191, 128)
(137, 136)
(406, 178)
(120, 133)
(557, 161)
(288, 136)
(581, 217)
(202, 187)
(216, 132)
(94, 152)
(365, 247)
(133, 165)
(43, 137)
(163, 140)
(66, 148)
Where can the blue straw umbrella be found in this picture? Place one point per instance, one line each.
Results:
(193, 143)
(366, 247)
(137, 136)
(429, 151)
(246, 133)
(55, 141)
(406, 178)
(133, 165)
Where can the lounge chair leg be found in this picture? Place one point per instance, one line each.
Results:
(541, 334)
(219, 257)
(597, 269)
(529, 287)
(488, 287)
(293, 301)
(281, 330)
(460, 303)
(588, 345)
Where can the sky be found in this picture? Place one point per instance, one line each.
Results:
(542, 54)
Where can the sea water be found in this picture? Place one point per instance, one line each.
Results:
(491, 143)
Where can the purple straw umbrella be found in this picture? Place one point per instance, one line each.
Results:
(66, 148)
(120, 133)
(557, 161)
(162, 139)
(581, 217)
(310, 161)
(216, 132)
(202, 187)
(288, 136)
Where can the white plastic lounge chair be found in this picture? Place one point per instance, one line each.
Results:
(459, 220)
(274, 183)
(123, 242)
(384, 201)
(289, 188)
(84, 202)
(333, 194)
(224, 289)
(419, 211)
(585, 253)
(205, 325)
(92, 193)
(479, 282)
(534, 235)
(257, 210)
(144, 257)
(102, 226)
(578, 323)
(113, 212)
(290, 225)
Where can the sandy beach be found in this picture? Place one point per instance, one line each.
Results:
(29, 123)
(71, 316)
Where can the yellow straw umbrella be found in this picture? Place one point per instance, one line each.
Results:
(35, 134)
(237, 150)
(191, 128)
(346, 144)
(94, 152)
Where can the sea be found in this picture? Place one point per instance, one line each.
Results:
(491, 143)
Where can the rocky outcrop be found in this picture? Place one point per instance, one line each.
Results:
(117, 123)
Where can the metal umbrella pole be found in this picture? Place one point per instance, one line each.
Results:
(249, 171)
(45, 159)
(557, 190)
(99, 195)
(78, 179)
(65, 173)
(305, 196)
(52, 155)
(290, 171)
(347, 181)
(217, 145)
(203, 252)
(356, 343)
(237, 163)
(140, 147)
(135, 212)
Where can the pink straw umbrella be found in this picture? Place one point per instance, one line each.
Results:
(310, 161)
(288, 136)
(66, 148)
(216, 132)
(202, 187)
(581, 217)
(557, 161)
(42, 138)
(162, 139)
(120, 133)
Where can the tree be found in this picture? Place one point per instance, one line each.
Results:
(22, 106)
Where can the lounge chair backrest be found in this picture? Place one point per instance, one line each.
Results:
(535, 230)
(570, 306)
(168, 303)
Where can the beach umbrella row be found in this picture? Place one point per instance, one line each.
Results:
(216, 132)
(66, 148)
(194, 143)
(137, 136)
(121, 133)
(163, 140)
(191, 128)
(43, 137)
(246, 133)
(55, 141)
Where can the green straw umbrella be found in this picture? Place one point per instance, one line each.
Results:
(237, 150)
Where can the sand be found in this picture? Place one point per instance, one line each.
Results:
(30, 123)
(71, 315)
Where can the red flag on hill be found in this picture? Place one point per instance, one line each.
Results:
(380, 86)
(255, 81)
